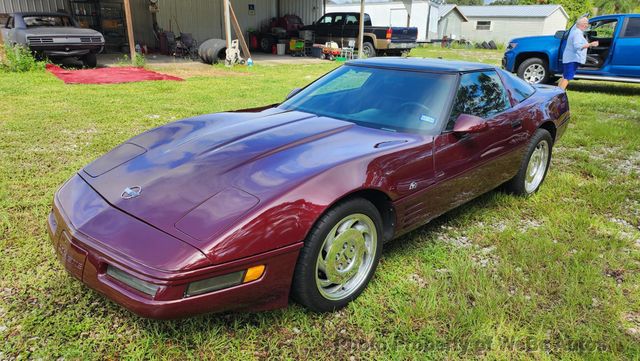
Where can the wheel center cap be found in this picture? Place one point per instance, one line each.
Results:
(345, 256)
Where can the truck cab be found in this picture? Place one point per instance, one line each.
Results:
(538, 59)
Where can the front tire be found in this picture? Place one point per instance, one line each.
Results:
(534, 166)
(339, 257)
(90, 60)
(534, 71)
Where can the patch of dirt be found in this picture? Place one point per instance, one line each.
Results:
(611, 158)
(190, 70)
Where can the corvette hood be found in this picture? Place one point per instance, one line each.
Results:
(236, 160)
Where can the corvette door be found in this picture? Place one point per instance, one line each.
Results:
(469, 164)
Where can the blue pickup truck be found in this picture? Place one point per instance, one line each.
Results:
(538, 59)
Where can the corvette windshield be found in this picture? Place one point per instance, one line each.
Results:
(393, 100)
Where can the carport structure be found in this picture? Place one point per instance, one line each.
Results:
(132, 22)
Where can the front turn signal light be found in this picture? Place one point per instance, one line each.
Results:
(253, 273)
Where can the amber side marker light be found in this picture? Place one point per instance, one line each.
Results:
(253, 273)
(224, 281)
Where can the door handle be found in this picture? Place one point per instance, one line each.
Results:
(516, 123)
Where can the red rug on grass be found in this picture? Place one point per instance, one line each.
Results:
(113, 75)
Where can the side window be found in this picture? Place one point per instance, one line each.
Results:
(603, 29)
(481, 94)
(520, 89)
(632, 29)
(483, 25)
(10, 23)
(326, 20)
(351, 20)
(338, 20)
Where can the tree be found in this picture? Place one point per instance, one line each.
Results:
(615, 6)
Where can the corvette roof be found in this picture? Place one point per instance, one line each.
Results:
(422, 64)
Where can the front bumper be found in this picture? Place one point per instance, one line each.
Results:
(509, 61)
(66, 50)
(87, 259)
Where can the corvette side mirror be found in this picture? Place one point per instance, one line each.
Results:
(467, 123)
(293, 92)
(559, 34)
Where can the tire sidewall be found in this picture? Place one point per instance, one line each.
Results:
(368, 50)
(531, 61)
(304, 288)
(518, 185)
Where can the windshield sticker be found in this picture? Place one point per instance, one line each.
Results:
(428, 119)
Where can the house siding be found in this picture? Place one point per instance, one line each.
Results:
(554, 22)
(451, 25)
(11, 6)
(502, 29)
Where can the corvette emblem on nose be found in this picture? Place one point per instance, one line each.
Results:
(131, 192)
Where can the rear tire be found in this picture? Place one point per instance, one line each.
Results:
(368, 50)
(90, 60)
(534, 71)
(534, 165)
(339, 257)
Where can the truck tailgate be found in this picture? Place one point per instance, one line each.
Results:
(402, 34)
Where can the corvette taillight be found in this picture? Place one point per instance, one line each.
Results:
(389, 33)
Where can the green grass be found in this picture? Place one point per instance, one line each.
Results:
(551, 276)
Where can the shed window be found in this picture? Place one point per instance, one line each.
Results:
(483, 25)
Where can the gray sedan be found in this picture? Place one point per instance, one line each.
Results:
(53, 35)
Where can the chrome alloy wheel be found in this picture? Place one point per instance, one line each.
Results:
(346, 256)
(537, 167)
(534, 73)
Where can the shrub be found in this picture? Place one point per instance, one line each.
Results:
(19, 58)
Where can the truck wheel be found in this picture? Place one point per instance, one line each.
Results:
(534, 71)
(90, 60)
(368, 50)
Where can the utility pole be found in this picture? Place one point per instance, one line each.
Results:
(132, 43)
(361, 30)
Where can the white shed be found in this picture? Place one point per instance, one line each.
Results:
(501, 23)
(450, 22)
(422, 14)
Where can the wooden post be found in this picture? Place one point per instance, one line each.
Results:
(236, 28)
(132, 43)
(2, 45)
(361, 30)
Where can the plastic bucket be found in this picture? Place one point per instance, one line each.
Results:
(281, 49)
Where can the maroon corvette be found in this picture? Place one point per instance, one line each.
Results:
(243, 210)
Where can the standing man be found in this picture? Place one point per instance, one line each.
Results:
(575, 53)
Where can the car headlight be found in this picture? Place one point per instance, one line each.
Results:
(511, 45)
(136, 283)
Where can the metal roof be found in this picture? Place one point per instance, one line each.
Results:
(421, 64)
(447, 8)
(511, 11)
